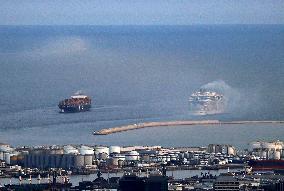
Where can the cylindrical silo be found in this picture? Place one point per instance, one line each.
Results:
(231, 151)
(14, 160)
(68, 161)
(79, 161)
(6, 148)
(38, 160)
(1, 155)
(52, 161)
(85, 150)
(101, 149)
(21, 159)
(68, 149)
(277, 155)
(33, 161)
(58, 161)
(268, 145)
(28, 160)
(7, 157)
(56, 151)
(88, 159)
(46, 161)
(114, 149)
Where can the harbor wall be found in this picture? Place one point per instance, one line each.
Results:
(173, 123)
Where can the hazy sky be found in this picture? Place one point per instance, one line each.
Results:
(141, 12)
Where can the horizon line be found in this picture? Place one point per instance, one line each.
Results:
(113, 25)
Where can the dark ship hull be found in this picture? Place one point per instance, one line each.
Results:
(262, 165)
(77, 103)
(74, 109)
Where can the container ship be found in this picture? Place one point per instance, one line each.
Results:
(206, 102)
(266, 165)
(76, 103)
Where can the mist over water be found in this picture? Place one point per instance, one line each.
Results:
(137, 73)
(231, 96)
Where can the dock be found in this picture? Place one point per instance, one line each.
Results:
(119, 129)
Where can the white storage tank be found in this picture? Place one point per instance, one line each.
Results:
(278, 145)
(68, 149)
(114, 149)
(277, 155)
(282, 153)
(101, 149)
(85, 150)
(6, 148)
(79, 161)
(88, 159)
(1, 155)
(231, 151)
(268, 145)
(255, 145)
(132, 156)
(7, 157)
(56, 151)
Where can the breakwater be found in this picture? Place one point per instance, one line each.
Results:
(112, 130)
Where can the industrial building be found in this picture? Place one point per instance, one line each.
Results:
(223, 149)
(227, 183)
(267, 150)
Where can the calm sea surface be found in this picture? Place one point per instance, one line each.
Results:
(137, 74)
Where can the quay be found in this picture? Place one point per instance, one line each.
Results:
(112, 130)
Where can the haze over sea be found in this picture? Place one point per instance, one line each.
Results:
(138, 74)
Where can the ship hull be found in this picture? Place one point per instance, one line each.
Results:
(203, 113)
(75, 109)
(210, 109)
(266, 165)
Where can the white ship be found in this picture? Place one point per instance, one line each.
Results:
(205, 102)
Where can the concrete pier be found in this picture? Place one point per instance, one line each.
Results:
(173, 123)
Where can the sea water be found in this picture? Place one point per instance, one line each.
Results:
(137, 74)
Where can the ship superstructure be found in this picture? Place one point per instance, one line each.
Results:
(206, 102)
(76, 103)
